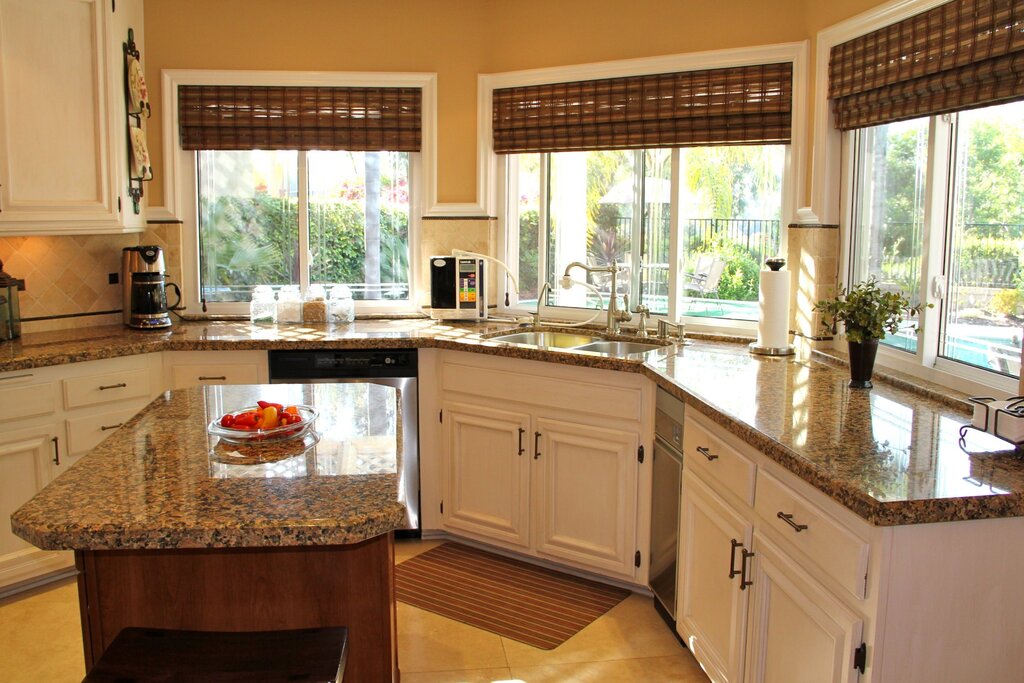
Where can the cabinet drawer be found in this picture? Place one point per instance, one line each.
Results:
(829, 544)
(718, 461)
(85, 432)
(115, 386)
(193, 375)
(26, 401)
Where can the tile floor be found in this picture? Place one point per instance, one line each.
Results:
(40, 640)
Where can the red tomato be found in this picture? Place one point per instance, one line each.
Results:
(227, 420)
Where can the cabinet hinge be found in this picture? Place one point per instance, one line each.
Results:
(640, 458)
(636, 559)
(860, 657)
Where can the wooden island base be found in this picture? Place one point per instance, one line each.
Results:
(248, 589)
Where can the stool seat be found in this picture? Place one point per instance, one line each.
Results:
(149, 655)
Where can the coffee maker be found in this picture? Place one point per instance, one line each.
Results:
(144, 288)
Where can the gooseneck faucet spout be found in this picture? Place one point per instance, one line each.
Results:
(615, 315)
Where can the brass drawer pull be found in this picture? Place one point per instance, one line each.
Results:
(788, 519)
(104, 428)
(205, 378)
(119, 385)
(703, 450)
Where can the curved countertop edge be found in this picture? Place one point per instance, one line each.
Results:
(872, 510)
(339, 532)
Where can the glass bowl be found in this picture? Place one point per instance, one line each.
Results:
(288, 431)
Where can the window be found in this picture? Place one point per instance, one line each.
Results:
(679, 169)
(961, 239)
(299, 178)
(605, 206)
(933, 110)
(290, 217)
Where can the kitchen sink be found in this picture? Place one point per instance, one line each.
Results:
(560, 340)
(618, 348)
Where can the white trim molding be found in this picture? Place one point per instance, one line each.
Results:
(826, 165)
(177, 193)
(796, 52)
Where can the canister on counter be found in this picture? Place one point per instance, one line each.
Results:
(10, 313)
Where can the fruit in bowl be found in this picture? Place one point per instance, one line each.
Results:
(264, 422)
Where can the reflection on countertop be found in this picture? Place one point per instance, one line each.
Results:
(890, 454)
(161, 481)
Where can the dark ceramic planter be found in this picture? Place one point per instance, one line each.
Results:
(862, 363)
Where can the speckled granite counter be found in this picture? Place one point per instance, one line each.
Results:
(162, 482)
(889, 454)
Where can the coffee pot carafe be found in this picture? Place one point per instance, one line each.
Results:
(144, 288)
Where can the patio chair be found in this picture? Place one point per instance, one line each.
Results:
(705, 278)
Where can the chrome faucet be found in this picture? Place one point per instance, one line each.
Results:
(615, 315)
(663, 326)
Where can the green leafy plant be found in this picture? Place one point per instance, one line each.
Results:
(866, 311)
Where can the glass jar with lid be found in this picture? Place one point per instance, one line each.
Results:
(263, 306)
(289, 304)
(341, 308)
(314, 306)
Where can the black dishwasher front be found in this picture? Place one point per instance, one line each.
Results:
(392, 367)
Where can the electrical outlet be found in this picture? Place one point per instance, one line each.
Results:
(113, 278)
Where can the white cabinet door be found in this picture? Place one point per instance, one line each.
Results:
(585, 495)
(798, 632)
(712, 606)
(55, 122)
(487, 453)
(26, 466)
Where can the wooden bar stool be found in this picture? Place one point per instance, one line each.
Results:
(148, 655)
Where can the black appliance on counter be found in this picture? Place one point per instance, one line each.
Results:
(144, 288)
(395, 368)
(457, 288)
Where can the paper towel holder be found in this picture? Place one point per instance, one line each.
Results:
(774, 265)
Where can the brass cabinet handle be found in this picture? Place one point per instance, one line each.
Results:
(119, 385)
(203, 378)
(788, 519)
(732, 558)
(536, 445)
(104, 428)
(521, 449)
(56, 451)
(703, 450)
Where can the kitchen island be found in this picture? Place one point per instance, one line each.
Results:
(173, 528)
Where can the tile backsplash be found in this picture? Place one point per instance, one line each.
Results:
(66, 275)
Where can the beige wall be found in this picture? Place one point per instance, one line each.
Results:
(457, 39)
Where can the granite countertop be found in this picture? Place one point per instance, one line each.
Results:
(163, 482)
(891, 454)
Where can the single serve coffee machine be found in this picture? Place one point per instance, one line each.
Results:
(144, 288)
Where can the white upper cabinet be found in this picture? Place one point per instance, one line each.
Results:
(63, 150)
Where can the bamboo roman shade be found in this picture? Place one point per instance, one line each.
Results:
(741, 105)
(235, 117)
(959, 55)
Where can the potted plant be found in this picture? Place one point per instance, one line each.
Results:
(866, 313)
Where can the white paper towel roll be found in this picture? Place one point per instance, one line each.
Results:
(773, 302)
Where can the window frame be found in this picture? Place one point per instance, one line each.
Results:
(181, 191)
(925, 363)
(496, 170)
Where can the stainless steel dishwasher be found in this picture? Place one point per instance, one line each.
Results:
(666, 489)
(393, 367)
